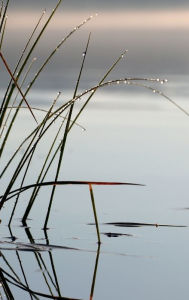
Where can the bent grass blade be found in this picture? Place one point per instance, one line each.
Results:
(67, 182)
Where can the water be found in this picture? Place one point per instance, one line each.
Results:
(132, 137)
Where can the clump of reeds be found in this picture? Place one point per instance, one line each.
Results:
(11, 103)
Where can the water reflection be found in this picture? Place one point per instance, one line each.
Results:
(16, 276)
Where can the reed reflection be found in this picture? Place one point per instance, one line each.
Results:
(16, 277)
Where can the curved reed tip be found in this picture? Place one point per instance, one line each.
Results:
(162, 81)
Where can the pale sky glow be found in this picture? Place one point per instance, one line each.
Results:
(118, 20)
(157, 40)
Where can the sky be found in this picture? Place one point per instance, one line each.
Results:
(155, 33)
(107, 4)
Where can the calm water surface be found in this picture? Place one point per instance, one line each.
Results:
(130, 136)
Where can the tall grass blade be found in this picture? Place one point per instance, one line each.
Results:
(65, 135)
(4, 15)
(18, 107)
(15, 70)
(33, 47)
(31, 155)
(61, 109)
(3, 33)
(47, 60)
(40, 178)
(55, 50)
(38, 38)
(69, 103)
(18, 149)
(45, 111)
(104, 77)
(1, 9)
(23, 160)
(16, 84)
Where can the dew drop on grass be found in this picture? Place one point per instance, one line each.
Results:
(83, 54)
(154, 91)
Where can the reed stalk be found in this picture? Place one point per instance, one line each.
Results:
(66, 134)
(95, 213)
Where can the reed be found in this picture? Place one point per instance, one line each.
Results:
(11, 106)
